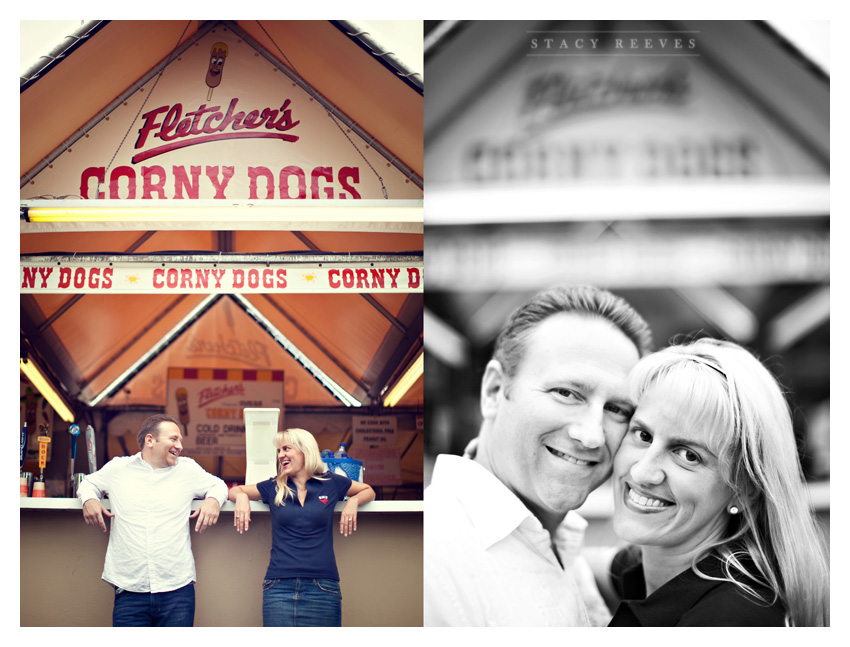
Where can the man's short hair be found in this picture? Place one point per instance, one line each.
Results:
(151, 426)
(584, 300)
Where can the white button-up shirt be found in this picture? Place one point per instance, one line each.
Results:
(490, 562)
(149, 545)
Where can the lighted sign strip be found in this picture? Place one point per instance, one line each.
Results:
(213, 211)
(413, 373)
(43, 386)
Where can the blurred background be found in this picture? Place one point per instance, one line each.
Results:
(682, 165)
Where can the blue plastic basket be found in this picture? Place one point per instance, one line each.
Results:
(349, 467)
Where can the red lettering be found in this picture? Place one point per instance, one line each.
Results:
(362, 278)
(251, 119)
(348, 277)
(217, 274)
(185, 278)
(79, 277)
(281, 278)
(285, 122)
(208, 124)
(96, 172)
(333, 279)
(319, 172)
(255, 172)
(285, 174)
(184, 128)
(238, 279)
(393, 273)
(181, 181)
(44, 272)
(94, 282)
(153, 181)
(117, 173)
(157, 278)
(230, 118)
(171, 277)
(202, 278)
(107, 278)
(209, 128)
(64, 277)
(268, 278)
(212, 174)
(149, 125)
(413, 277)
(268, 116)
(29, 277)
(347, 173)
(169, 124)
(377, 277)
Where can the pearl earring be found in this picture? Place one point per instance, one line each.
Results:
(733, 509)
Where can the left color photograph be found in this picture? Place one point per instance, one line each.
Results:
(221, 323)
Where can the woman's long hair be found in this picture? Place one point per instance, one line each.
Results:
(302, 440)
(775, 541)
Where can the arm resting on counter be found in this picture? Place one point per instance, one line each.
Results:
(207, 514)
(241, 495)
(93, 513)
(358, 494)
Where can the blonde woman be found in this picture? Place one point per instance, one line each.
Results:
(709, 494)
(301, 587)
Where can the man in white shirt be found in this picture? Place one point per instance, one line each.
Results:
(502, 539)
(149, 558)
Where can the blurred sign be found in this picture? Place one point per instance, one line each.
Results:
(209, 402)
(375, 439)
(382, 466)
(520, 259)
(375, 431)
(571, 108)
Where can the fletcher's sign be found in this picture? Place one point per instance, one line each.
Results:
(219, 123)
(209, 124)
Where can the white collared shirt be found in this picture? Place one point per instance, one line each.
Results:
(149, 545)
(490, 562)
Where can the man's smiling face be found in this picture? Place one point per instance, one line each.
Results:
(165, 447)
(554, 427)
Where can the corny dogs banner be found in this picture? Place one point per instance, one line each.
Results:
(218, 278)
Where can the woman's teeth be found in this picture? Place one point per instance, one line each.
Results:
(646, 501)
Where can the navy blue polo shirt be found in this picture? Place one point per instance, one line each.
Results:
(687, 600)
(302, 537)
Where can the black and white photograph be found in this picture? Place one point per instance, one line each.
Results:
(626, 324)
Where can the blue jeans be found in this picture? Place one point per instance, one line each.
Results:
(168, 609)
(302, 603)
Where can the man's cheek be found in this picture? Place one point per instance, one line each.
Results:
(614, 435)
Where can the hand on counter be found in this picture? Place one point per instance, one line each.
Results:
(93, 512)
(207, 514)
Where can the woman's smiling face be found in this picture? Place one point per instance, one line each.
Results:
(669, 489)
(291, 459)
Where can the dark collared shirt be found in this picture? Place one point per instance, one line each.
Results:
(687, 600)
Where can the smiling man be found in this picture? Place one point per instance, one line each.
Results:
(502, 539)
(149, 558)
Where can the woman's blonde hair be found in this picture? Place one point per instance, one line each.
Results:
(775, 541)
(303, 441)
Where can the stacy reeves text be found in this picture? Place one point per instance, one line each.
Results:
(208, 124)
